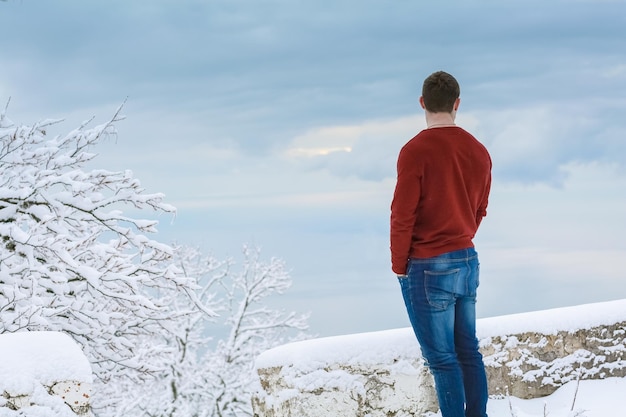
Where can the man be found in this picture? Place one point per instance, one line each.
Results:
(444, 178)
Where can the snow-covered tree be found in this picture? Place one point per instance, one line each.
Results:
(145, 313)
(211, 373)
(72, 261)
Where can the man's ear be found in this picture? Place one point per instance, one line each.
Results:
(457, 103)
(422, 102)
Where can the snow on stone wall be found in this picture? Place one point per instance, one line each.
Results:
(544, 350)
(43, 374)
(381, 374)
(352, 375)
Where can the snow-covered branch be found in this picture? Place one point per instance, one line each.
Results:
(212, 374)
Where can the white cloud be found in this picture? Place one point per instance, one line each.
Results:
(527, 143)
(348, 136)
(555, 246)
(531, 143)
(617, 71)
(585, 210)
(308, 152)
(366, 150)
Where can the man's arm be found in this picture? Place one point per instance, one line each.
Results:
(404, 210)
(482, 208)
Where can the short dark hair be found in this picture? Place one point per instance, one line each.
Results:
(440, 91)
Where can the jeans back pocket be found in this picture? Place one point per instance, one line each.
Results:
(440, 287)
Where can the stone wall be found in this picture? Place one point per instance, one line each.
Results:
(531, 365)
(381, 374)
(43, 373)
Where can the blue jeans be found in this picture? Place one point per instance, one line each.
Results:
(440, 297)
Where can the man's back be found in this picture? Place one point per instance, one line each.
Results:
(445, 173)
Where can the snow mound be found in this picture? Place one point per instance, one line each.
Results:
(44, 357)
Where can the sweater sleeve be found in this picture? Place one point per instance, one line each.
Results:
(404, 210)
(482, 208)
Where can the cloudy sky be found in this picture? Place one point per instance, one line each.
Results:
(278, 123)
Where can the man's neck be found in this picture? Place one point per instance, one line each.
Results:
(440, 119)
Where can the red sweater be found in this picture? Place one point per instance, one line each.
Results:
(444, 178)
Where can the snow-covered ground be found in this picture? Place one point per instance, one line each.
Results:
(597, 398)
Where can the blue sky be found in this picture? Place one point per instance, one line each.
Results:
(278, 123)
